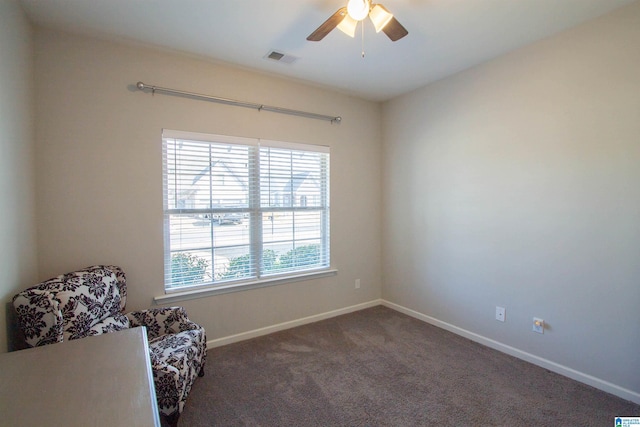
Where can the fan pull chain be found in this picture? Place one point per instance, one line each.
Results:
(362, 27)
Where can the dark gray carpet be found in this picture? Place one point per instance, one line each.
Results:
(378, 367)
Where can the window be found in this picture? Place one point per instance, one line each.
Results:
(242, 210)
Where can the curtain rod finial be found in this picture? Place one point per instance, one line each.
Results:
(140, 85)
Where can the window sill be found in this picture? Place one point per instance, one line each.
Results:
(183, 295)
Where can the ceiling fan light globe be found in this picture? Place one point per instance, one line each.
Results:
(358, 9)
(348, 26)
(380, 17)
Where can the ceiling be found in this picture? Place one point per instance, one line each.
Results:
(445, 36)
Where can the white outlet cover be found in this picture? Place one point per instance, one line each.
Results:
(500, 314)
(538, 325)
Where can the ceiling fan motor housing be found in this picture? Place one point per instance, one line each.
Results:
(358, 9)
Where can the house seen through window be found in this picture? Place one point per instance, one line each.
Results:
(242, 210)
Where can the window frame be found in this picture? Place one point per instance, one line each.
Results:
(255, 210)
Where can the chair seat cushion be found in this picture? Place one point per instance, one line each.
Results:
(117, 322)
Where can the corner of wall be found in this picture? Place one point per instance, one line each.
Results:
(18, 264)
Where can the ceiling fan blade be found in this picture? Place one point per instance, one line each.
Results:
(328, 25)
(394, 30)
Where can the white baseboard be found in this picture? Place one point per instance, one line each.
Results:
(291, 324)
(528, 357)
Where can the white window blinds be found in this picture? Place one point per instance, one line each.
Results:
(240, 209)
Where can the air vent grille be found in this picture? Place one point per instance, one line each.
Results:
(274, 55)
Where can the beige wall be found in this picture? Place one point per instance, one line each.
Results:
(17, 201)
(516, 184)
(512, 184)
(99, 182)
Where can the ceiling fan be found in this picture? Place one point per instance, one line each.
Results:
(347, 18)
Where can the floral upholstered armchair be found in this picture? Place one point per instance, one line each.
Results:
(91, 302)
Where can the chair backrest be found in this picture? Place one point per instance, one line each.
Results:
(75, 305)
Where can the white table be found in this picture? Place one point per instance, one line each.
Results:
(105, 380)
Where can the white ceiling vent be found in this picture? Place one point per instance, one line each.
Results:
(274, 55)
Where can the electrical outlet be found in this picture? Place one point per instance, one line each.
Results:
(357, 283)
(500, 314)
(538, 325)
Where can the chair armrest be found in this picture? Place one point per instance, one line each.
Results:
(162, 321)
(39, 317)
